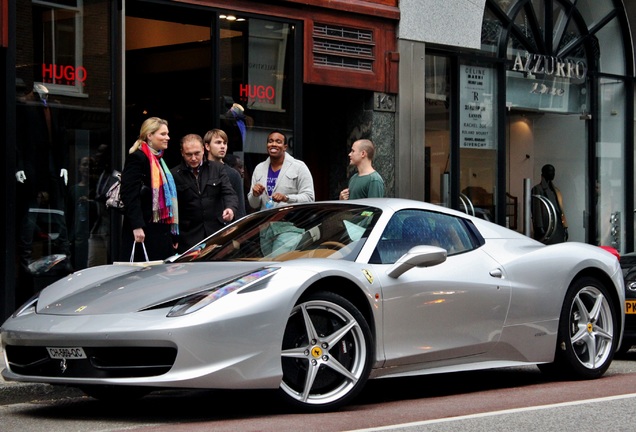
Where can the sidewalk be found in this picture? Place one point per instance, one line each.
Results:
(14, 392)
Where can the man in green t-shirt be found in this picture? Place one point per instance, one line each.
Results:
(367, 182)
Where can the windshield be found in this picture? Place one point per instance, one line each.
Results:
(317, 230)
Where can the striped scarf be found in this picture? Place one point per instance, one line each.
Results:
(164, 191)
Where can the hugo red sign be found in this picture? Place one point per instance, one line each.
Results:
(65, 75)
(257, 93)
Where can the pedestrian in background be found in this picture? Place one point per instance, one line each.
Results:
(281, 178)
(207, 200)
(216, 145)
(149, 195)
(235, 162)
(366, 182)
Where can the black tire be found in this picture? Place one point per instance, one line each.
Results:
(588, 332)
(326, 353)
(115, 394)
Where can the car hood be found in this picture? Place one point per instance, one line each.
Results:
(116, 289)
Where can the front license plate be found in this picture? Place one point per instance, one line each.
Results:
(630, 306)
(66, 353)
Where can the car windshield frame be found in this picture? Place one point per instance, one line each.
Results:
(316, 230)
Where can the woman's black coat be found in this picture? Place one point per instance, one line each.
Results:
(136, 194)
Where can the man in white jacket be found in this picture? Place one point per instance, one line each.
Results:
(281, 178)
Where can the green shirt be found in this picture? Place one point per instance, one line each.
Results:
(366, 186)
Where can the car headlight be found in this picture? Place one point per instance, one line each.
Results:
(194, 302)
(28, 307)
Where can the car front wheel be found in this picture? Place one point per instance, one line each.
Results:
(588, 331)
(326, 353)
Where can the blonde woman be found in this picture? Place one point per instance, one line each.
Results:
(149, 195)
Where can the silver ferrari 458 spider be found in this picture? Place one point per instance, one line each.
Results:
(315, 299)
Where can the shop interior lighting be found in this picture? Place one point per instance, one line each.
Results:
(231, 18)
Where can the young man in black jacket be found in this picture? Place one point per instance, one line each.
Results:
(216, 145)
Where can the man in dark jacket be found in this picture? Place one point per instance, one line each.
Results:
(216, 144)
(206, 198)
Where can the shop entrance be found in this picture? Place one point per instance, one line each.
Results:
(538, 139)
(200, 69)
(329, 131)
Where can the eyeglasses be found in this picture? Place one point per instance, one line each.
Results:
(272, 141)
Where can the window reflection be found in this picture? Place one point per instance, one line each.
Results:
(63, 125)
(256, 85)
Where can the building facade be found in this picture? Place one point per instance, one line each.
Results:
(82, 75)
(491, 91)
(466, 102)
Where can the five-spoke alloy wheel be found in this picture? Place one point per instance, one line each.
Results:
(588, 331)
(326, 352)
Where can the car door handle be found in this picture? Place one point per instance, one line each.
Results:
(496, 273)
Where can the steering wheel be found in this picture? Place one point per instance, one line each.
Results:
(332, 245)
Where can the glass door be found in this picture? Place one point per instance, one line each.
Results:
(610, 165)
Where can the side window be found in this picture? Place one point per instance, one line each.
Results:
(409, 228)
(58, 35)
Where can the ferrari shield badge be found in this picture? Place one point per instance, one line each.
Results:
(367, 274)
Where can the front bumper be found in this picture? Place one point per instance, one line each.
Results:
(148, 349)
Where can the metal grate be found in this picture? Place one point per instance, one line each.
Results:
(327, 30)
(343, 47)
(342, 62)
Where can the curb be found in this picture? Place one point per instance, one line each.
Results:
(14, 393)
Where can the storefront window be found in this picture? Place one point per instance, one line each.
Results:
(610, 35)
(63, 125)
(463, 175)
(547, 92)
(555, 50)
(491, 33)
(477, 140)
(437, 123)
(610, 164)
(168, 72)
(256, 84)
(594, 11)
(58, 45)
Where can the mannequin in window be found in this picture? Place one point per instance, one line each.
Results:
(236, 125)
(81, 211)
(42, 177)
(540, 217)
(99, 238)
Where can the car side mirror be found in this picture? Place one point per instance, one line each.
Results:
(418, 256)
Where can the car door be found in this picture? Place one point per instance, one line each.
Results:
(454, 309)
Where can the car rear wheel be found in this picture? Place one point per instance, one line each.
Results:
(326, 353)
(588, 329)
